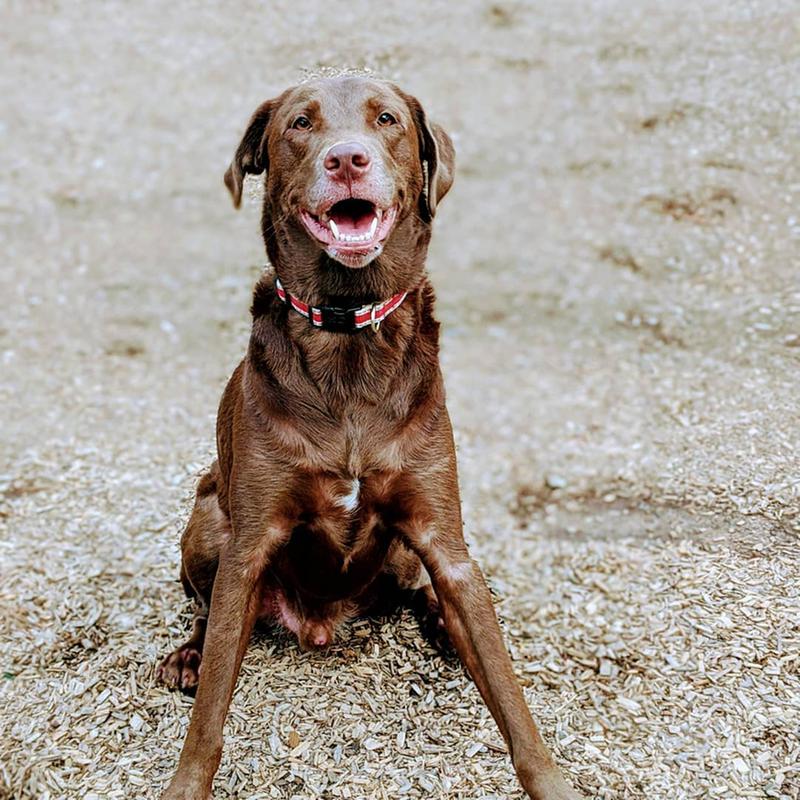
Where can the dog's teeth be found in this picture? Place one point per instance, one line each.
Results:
(350, 237)
(324, 217)
(334, 229)
(373, 227)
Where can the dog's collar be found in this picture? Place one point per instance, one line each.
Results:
(342, 320)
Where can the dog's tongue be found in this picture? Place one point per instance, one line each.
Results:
(353, 216)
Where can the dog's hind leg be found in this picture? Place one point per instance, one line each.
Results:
(414, 583)
(207, 530)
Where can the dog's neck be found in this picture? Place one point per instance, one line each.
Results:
(329, 283)
(346, 370)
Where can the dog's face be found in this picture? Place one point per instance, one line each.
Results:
(353, 169)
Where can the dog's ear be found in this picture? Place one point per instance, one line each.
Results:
(438, 160)
(251, 156)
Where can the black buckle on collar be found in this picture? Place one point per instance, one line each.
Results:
(338, 320)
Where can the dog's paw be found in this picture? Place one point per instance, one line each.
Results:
(181, 790)
(435, 633)
(432, 625)
(181, 669)
(548, 785)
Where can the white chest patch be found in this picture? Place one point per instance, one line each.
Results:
(349, 501)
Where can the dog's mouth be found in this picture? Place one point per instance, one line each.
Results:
(351, 227)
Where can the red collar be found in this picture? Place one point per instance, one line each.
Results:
(342, 320)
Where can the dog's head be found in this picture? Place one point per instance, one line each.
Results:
(353, 169)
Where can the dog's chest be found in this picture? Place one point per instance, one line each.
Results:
(369, 441)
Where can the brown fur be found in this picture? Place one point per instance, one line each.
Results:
(308, 412)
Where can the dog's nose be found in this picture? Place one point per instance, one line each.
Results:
(347, 161)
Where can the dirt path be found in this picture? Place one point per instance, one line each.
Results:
(617, 270)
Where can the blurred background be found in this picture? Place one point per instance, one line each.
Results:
(617, 277)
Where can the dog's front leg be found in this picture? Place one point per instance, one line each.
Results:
(234, 605)
(468, 613)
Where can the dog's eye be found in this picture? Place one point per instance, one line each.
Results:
(302, 123)
(386, 119)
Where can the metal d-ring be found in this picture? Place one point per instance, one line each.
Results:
(374, 323)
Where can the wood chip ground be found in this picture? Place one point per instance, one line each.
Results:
(617, 269)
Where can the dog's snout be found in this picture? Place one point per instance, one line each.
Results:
(347, 161)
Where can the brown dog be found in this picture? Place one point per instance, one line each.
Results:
(336, 470)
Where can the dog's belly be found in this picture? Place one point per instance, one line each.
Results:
(315, 584)
(343, 536)
(326, 561)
